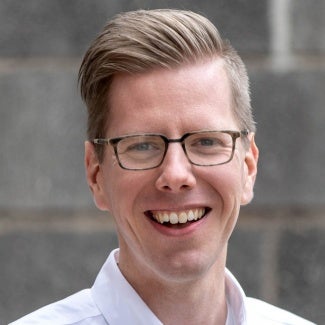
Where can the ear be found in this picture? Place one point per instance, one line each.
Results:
(94, 175)
(251, 159)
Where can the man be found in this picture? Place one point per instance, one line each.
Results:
(171, 155)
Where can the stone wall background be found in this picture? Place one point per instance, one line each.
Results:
(52, 239)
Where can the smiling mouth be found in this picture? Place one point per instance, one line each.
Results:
(178, 217)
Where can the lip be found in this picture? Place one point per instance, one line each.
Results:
(178, 229)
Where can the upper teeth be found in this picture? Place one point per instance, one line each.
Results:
(178, 217)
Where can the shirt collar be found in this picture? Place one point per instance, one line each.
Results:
(117, 300)
(235, 301)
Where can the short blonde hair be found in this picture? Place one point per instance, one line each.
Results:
(139, 41)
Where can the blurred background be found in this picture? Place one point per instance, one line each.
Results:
(52, 239)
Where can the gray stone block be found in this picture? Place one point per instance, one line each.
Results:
(245, 260)
(301, 263)
(42, 130)
(308, 26)
(52, 28)
(40, 268)
(244, 23)
(65, 28)
(289, 109)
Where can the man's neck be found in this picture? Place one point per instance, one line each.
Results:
(195, 301)
(203, 302)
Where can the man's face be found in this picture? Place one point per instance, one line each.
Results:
(172, 102)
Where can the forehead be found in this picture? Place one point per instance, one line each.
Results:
(191, 97)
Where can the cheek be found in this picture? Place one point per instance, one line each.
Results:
(229, 178)
(228, 182)
(239, 171)
(123, 188)
(247, 184)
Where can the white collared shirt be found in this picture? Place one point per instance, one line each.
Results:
(113, 301)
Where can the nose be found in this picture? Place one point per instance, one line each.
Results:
(176, 172)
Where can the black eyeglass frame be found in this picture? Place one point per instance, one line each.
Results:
(114, 143)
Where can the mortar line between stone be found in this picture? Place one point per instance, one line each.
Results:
(269, 270)
(280, 29)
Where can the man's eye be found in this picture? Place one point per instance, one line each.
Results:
(208, 142)
(143, 146)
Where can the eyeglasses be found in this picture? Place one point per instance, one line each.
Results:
(147, 151)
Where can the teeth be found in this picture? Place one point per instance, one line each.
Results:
(173, 218)
(179, 217)
(165, 217)
(182, 217)
(190, 216)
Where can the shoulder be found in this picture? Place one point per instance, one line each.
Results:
(76, 309)
(260, 312)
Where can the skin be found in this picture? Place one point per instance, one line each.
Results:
(185, 264)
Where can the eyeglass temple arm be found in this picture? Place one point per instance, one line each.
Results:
(99, 141)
